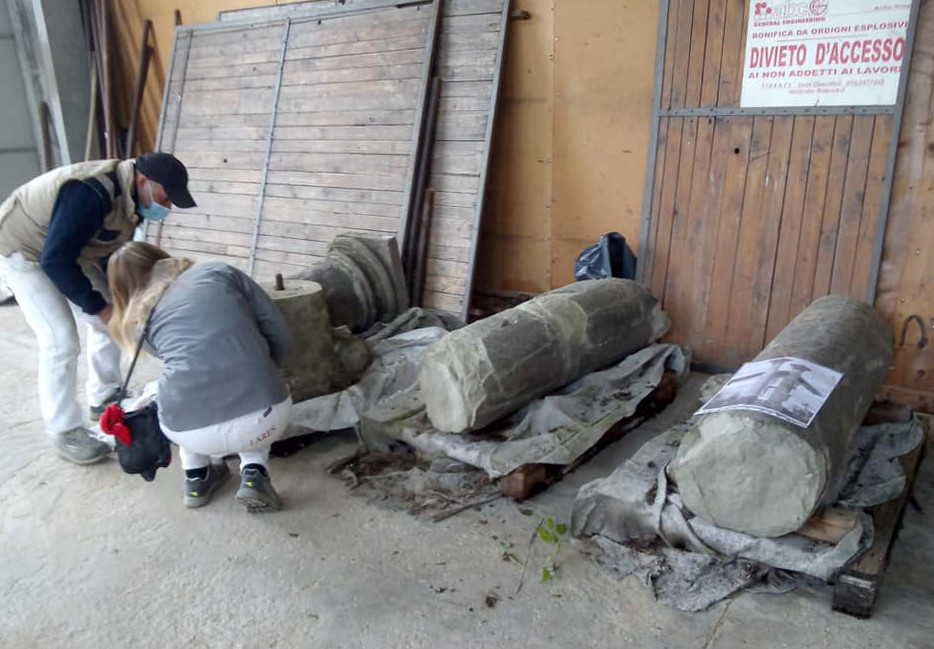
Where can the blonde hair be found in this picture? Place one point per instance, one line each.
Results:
(138, 274)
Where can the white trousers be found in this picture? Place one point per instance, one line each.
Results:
(249, 436)
(54, 320)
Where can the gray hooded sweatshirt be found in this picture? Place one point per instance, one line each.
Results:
(221, 339)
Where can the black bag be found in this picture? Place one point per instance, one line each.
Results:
(611, 256)
(149, 449)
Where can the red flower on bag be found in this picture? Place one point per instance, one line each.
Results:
(112, 423)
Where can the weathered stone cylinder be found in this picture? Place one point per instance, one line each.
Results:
(494, 366)
(754, 473)
(312, 368)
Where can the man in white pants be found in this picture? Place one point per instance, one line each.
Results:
(56, 233)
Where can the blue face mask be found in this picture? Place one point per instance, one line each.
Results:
(154, 212)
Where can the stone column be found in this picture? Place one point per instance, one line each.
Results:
(754, 473)
(494, 366)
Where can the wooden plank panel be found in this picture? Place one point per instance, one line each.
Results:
(852, 207)
(201, 121)
(235, 35)
(390, 165)
(401, 133)
(872, 208)
(224, 160)
(668, 181)
(212, 222)
(335, 194)
(789, 235)
(752, 339)
(732, 57)
(680, 209)
(209, 174)
(832, 205)
(284, 208)
(444, 182)
(266, 271)
(390, 44)
(248, 54)
(909, 169)
(218, 53)
(701, 246)
(287, 244)
(348, 75)
(187, 148)
(311, 231)
(209, 133)
(671, 43)
(461, 126)
(688, 230)
(692, 94)
(288, 213)
(309, 34)
(342, 147)
(442, 301)
(286, 259)
(734, 352)
(914, 365)
(452, 252)
(650, 251)
(802, 293)
(682, 60)
(228, 102)
(336, 180)
(716, 304)
(713, 52)
(222, 187)
(234, 70)
(378, 25)
(375, 117)
(446, 284)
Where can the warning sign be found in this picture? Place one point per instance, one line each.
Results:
(824, 52)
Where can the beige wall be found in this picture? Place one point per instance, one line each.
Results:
(571, 142)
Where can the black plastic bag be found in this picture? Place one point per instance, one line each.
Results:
(609, 257)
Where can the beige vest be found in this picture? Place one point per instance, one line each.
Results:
(25, 215)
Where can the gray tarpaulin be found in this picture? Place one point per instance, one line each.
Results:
(637, 523)
(385, 405)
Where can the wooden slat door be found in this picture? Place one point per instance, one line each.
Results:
(752, 216)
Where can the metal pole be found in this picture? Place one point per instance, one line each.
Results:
(649, 189)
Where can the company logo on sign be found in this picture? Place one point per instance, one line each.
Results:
(789, 9)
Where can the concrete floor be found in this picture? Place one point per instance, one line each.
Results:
(90, 557)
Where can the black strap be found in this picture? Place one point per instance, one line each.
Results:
(139, 348)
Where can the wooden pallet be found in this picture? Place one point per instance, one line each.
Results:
(858, 584)
(529, 479)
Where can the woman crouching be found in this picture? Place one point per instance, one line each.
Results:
(221, 340)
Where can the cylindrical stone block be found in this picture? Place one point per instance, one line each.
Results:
(494, 366)
(312, 367)
(754, 473)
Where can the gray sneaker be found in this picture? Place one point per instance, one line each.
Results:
(95, 412)
(256, 492)
(79, 445)
(198, 491)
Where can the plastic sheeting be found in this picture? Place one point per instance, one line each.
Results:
(639, 525)
(386, 406)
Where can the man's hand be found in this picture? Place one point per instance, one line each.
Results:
(106, 313)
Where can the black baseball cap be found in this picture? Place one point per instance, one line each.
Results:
(168, 171)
